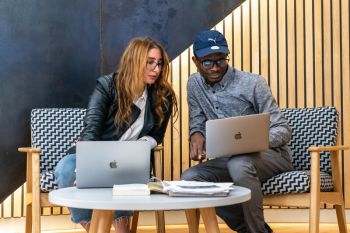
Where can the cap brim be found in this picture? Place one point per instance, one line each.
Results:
(207, 51)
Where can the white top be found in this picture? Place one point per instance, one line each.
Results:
(135, 129)
(104, 200)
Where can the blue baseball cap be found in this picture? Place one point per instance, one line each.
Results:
(208, 42)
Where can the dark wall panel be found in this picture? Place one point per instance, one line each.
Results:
(47, 50)
(173, 23)
(52, 51)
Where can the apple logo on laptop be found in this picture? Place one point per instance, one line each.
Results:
(113, 164)
(238, 136)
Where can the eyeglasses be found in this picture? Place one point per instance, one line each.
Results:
(151, 65)
(208, 64)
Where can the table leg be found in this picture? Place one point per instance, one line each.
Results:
(210, 220)
(160, 221)
(101, 221)
(192, 216)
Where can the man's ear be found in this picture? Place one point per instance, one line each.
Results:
(194, 59)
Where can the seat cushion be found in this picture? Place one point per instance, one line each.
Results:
(47, 181)
(294, 182)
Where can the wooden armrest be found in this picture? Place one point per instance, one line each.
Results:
(327, 148)
(158, 148)
(158, 161)
(29, 149)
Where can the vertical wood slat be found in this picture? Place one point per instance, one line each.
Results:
(184, 110)
(309, 59)
(237, 41)
(346, 94)
(291, 53)
(282, 56)
(264, 42)
(273, 62)
(255, 29)
(300, 65)
(17, 202)
(246, 36)
(176, 132)
(336, 53)
(228, 32)
(318, 53)
(327, 53)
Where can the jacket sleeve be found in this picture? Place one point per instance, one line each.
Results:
(158, 131)
(97, 110)
(280, 132)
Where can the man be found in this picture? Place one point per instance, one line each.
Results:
(219, 91)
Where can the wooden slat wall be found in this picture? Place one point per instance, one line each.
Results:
(301, 47)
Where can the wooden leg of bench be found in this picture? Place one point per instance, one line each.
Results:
(29, 218)
(341, 218)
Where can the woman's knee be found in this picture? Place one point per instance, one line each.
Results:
(65, 171)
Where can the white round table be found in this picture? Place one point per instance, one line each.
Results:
(104, 203)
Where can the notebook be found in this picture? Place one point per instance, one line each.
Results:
(102, 164)
(237, 135)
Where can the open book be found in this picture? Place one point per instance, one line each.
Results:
(175, 188)
(191, 188)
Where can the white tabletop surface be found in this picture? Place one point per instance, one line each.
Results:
(103, 199)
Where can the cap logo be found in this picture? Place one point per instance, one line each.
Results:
(214, 47)
(211, 39)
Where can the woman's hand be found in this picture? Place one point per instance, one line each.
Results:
(197, 147)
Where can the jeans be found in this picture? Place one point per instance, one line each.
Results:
(65, 177)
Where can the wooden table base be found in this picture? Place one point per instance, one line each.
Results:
(102, 220)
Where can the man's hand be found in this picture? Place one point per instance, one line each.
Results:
(197, 146)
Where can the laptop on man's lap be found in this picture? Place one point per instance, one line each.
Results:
(237, 135)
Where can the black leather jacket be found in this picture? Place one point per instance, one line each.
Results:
(99, 120)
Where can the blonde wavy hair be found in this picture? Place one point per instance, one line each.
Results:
(130, 75)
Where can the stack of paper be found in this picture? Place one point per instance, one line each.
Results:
(130, 190)
(192, 188)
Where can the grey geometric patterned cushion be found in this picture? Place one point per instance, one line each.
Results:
(47, 181)
(54, 130)
(311, 127)
(294, 182)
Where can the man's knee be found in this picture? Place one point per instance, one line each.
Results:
(190, 174)
(241, 169)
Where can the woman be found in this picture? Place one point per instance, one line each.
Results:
(135, 103)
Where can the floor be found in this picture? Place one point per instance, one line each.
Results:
(277, 227)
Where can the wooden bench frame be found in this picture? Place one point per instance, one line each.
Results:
(35, 199)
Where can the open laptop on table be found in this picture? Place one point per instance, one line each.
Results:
(101, 164)
(237, 135)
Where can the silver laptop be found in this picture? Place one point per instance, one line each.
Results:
(101, 164)
(237, 135)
